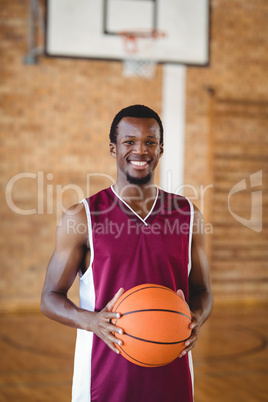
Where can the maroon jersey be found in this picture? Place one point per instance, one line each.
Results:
(127, 251)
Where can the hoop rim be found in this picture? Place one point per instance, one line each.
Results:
(146, 33)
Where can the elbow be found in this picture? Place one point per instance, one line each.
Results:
(211, 301)
(44, 305)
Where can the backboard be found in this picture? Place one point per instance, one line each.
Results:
(93, 29)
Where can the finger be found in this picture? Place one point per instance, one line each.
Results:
(186, 350)
(112, 302)
(113, 328)
(181, 294)
(193, 325)
(109, 315)
(195, 322)
(113, 347)
(115, 340)
(114, 343)
(189, 344)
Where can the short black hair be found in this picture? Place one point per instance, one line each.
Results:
(139, 111)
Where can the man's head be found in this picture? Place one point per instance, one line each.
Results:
(138, 111)
(137, 144)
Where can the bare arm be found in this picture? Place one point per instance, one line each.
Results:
(200, 296)
(70, 251)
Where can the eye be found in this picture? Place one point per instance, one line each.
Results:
(129, 142)
(150, 142)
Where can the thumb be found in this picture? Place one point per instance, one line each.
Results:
(181, 294)
(112, 302)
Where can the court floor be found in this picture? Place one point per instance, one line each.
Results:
(230, 360)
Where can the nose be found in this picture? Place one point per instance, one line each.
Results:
(140, 148)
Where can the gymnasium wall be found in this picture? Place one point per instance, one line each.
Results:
(54, 123)
(227, 148)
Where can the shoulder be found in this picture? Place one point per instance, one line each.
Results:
(73, 225)
(76, 212)
(167, 195)
(102, 195)
(199, 227)
(176, 201)
(198, 217)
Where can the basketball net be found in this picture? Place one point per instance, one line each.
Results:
(133, 66)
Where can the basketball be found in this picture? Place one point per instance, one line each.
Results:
(155, 321)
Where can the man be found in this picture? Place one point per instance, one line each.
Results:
(134, 234)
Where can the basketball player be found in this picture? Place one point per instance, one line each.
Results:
(126, 235)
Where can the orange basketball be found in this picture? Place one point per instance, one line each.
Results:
(155, 321)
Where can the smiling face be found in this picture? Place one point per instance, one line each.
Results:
(137, 150)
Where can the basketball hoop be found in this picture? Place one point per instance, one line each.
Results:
(135, 66)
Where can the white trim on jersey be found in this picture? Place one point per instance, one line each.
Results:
(190, 236)
(90, 236)
(191, 368)
(132, 210)
(190, 358)
(81, 390)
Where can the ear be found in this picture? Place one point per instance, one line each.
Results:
(161, 150)
(113, 149)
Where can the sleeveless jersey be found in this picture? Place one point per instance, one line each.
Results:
(127, 251)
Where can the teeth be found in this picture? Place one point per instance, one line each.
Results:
(139, 163)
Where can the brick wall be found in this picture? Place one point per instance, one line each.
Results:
(55, 119)
(227, 142)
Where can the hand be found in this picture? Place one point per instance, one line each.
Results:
(103, 327)
(194, 326)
